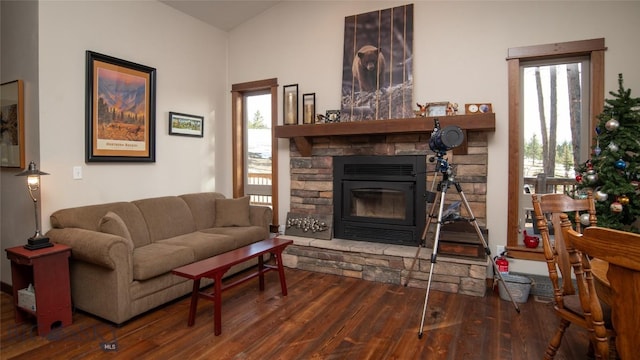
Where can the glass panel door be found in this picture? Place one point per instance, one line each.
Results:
(258, 147)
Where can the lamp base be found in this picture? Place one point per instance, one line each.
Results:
(38, 243)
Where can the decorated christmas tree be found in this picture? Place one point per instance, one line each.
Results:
(613, 172)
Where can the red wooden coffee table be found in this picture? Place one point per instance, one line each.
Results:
(215, 268)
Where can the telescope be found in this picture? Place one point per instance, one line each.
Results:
(444, 139)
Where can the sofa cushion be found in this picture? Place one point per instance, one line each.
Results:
(203, 208)
(166, 217)
(156, 259)
(113, 224)
(204, 245)
(242, 235)
(88, 217)
(232, 212)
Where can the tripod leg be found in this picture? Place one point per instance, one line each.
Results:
(484, 243)
(434, 255)
(423, 241)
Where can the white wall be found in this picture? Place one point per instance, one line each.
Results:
(190, 58)
(19, 59)
(460, 50)
(191, 61)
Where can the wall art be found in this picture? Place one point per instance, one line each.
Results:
(120, 110)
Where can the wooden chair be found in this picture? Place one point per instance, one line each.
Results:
(622, 252)
(582, 307)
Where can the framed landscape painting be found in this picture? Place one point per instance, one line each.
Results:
(12, 125)
(120, 110)
(186, 125)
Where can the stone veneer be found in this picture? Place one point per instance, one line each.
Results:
(312, 193)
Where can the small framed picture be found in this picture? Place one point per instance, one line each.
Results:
(186, 125)
(308, 108)
(332, 116)
(290, 104)
(437, 108)
(478, 108)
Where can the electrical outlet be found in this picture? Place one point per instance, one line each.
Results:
(499, 250)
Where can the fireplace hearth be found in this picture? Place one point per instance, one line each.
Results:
(379, 198)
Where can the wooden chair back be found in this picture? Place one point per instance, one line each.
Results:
(571, 306)
(547, 209)
(622, 252)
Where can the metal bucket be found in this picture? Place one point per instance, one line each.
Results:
(518, 286)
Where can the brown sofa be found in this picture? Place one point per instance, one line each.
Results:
(123, 252)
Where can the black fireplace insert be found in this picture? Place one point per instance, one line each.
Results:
(379, 198)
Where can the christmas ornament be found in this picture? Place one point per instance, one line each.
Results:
(612, 125)
(579, 178)
(592, 178)
(613, 147)
(635, 184)
(600, 196)
(616, 207)
(620, 164)
(623, 199)
(584, 219)
(597, 151)
(598, 130)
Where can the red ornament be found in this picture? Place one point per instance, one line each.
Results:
(579, 178)
(616, 207)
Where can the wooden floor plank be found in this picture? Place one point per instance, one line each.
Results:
(323, 317)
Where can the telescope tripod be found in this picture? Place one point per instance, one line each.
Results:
(443, 186)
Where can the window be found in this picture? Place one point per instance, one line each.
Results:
(255, 164)
(555, 93)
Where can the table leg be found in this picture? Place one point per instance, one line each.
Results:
(217, 306)
(261, 272)
(283, 282)
(194, 302)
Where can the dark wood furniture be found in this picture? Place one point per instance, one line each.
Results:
(581, 307)
(215, 268)
(303, 134)
(622, 252)
(48, 270)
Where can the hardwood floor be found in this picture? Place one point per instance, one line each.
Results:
(323, 317)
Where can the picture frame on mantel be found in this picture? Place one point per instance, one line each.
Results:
(120, 110)
(308, 108)
(12, 125)
(290, 104)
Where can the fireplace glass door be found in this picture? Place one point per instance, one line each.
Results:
(390, 202)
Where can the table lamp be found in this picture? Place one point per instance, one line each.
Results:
(37, 241)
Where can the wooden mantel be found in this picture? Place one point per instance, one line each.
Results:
(303, 134)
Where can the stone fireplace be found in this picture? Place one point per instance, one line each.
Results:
(313, 193)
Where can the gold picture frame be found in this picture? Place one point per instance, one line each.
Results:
(12, 124)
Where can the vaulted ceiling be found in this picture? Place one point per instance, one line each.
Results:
(224, 15)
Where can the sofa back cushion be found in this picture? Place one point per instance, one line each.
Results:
(166, 217)
(233, 212)
(112, 223)
(90, 217)
(203, 208)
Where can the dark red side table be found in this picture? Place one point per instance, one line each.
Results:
(48, 270)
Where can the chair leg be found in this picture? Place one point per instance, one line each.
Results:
(555, 341)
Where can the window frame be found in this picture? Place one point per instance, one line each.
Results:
(594, 49)
(238, 131)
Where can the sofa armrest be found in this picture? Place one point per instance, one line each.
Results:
(94, 247)
(260, 216)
